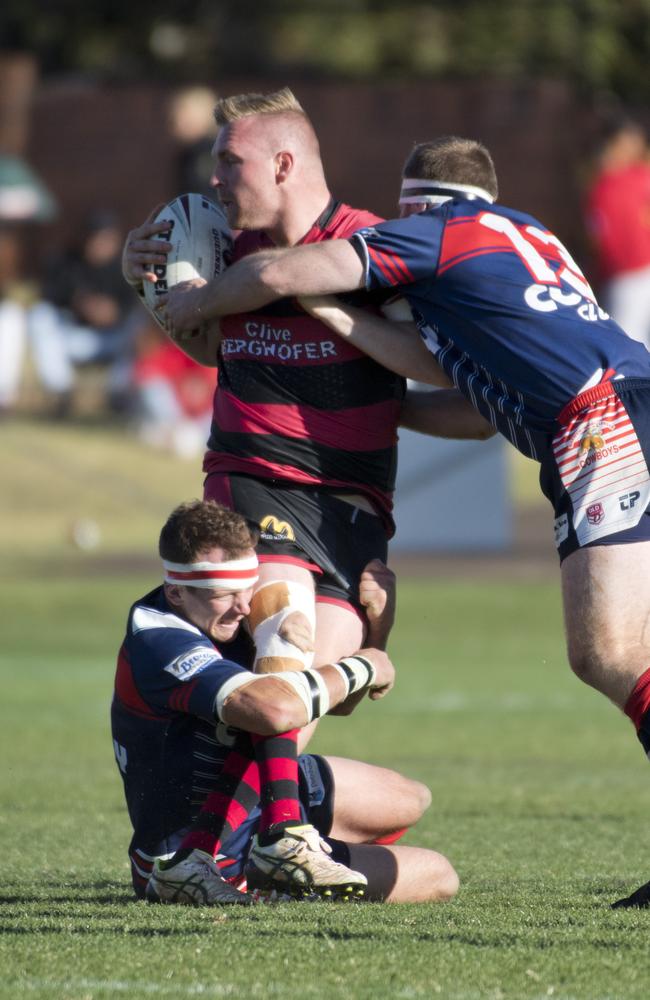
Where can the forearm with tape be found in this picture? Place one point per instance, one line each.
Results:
(310, 685)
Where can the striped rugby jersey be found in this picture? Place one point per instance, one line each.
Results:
(504, 309)
(163, 721)
(299, 405)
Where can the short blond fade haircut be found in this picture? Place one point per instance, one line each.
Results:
(232, 109)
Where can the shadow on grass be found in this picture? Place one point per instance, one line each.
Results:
(102, 892)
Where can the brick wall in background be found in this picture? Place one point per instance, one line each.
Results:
(111, 147)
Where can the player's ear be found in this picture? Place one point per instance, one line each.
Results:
(283, 166)
(173, 595)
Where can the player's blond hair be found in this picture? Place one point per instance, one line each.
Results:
(231, 109)
(455, 160)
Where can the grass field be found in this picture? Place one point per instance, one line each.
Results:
(540, 793)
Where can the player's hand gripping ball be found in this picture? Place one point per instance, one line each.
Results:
(201, 246)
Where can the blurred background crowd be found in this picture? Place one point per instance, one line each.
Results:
(106, 113)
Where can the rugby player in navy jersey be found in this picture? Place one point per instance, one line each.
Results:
(304, 433)
(200, 741)
(505, 315)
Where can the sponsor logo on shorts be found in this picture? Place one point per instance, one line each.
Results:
(628, 500)
(561, 529)
(188, 664)
(595, 513)
(274, 530)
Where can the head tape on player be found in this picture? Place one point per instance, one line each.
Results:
(418, 192)
(235, 574)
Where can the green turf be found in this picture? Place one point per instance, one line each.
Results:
(540, 799)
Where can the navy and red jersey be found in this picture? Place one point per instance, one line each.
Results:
(163, 719)
(504, 309)
(297, 404)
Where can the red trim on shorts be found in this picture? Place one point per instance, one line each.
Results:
(603, 390)
(638, 703)
(291, 560)
(340, 603)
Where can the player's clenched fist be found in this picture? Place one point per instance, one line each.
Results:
(384, 672)
(377, 587)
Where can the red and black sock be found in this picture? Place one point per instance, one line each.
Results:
(637, 708)
(257, 767)
(277, 759)
(236, 793)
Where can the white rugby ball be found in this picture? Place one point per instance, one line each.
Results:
(201, 244)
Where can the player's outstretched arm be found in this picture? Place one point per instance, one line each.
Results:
(445, 413)
(397, 346)
(275, 703)
(263, 277)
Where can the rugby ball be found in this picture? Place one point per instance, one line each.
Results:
(201, 245)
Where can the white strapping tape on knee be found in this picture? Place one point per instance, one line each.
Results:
(268, 642)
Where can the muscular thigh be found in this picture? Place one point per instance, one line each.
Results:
(606, 597)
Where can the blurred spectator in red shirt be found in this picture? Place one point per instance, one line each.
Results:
(172, 395)
(618, 220)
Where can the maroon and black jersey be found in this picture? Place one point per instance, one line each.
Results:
(297, 404)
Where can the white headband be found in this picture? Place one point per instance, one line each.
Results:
(238, 574)
(436, 192)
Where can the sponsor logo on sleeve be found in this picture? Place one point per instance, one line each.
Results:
(190, 663)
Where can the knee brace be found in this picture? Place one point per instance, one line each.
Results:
(283, 622)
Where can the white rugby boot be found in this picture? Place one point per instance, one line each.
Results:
(194, 880)
(298, 863)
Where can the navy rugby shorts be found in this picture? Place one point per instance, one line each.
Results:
(307, 526)
(596, 469)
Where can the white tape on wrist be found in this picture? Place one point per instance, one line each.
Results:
(313, 691)
(345, 676)
(360, 672)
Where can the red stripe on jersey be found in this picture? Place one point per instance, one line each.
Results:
(392, 266)
(179, 699)
(369, 428)
(464, 239)
(223, 461)
(126, 690)
(394, 263)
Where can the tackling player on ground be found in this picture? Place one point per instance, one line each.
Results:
(193, 784)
